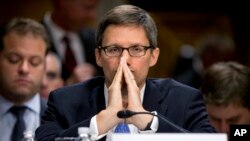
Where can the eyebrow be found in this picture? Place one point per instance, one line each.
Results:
(134, 44)
(228, 119)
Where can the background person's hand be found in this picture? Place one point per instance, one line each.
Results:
(81, 73)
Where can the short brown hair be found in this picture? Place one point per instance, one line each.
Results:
(128, 15)
(24, 26)
(227, 83)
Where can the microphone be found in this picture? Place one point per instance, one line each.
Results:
(128, 113)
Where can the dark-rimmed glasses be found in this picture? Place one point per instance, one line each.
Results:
(134, 51)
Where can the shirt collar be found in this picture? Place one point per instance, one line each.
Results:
(33, 104)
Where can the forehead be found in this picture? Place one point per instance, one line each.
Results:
(26, 43)
(226, 111)
(125, 34)
(51, 62)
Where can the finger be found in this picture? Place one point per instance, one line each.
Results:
(134, 99)
(118, 76)
(128, 75)
(114, 90)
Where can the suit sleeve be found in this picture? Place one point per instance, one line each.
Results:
(58, 121)
(196, 115)
(186, 110)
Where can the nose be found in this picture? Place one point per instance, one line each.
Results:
(125, 54)
(224, 127)
(24, 67)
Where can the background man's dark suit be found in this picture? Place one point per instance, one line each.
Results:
(87, 37)
(74, 106)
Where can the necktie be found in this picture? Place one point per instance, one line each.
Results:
(17, 133)
(122, 128)
(69, 60)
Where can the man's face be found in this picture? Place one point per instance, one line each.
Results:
(22, 66)
(222, 116)
(51, 79)
(126, 36)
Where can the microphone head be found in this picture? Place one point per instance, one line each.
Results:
(122, 114)
(125, 114)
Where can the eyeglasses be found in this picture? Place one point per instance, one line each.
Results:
(134, 51)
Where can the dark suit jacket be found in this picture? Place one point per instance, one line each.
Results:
(74, 106)
(43, 105)
(87, 37)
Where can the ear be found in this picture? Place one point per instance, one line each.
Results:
(154, 57)
(98, 57)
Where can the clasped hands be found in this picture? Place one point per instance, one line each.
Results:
(123, 93)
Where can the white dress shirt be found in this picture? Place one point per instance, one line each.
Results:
(8, 120)
(93, 129)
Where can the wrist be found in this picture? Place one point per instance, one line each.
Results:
(148, 127)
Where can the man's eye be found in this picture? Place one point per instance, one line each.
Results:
(51, 75)
(113, 49)
(13, 59)
(137, 49)
(35, 61)
(233, 120)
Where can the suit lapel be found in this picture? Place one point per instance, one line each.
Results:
(153, 98)
(97, 99)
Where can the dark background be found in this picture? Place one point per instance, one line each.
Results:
(179, 22)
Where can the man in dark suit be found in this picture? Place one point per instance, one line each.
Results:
(225, 88)
(71, 39)
(127, 48)
(23, 47)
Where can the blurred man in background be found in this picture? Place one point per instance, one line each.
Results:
(193, 61)
(24, 44)
(71, 39)
(52, 77)
(226, 89)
